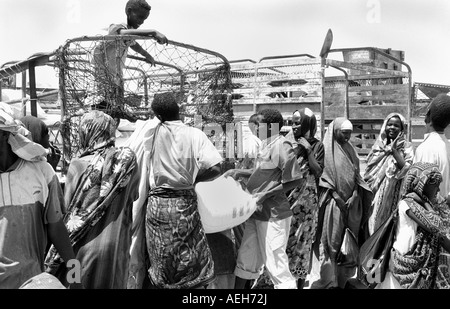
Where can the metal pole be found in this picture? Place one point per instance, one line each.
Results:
(33, 96)
(322, 102)
(24, 93)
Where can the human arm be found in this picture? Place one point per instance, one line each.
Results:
(138, 48)
(398, 156)
(208, 174)
(158, 36)
(444, 240)
(283, 187)
(315, 167)
(427, 219)
(236, 173)
(59, 237)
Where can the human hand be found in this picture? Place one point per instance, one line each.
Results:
(150, 59)
(260, 198)
(231, 173)
(161, 38)
(352, 199)
(302, 141)
(395, 142)
(54, 156)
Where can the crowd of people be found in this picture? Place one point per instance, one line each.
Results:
(127, 217)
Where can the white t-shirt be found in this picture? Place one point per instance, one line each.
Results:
(405, 236)
(180, 153)
(436, 149)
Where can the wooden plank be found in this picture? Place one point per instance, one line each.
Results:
(362, 151)
(377, 97)
(303, 76)
(277, 63)
(378, 112)
(273, 78)
(400, 87)
(365, 68)
(358, 102)
(268, 100)
(361, 77)
(289, 89)
(362, 141)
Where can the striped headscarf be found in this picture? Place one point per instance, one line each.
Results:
(417, 269)
(418, 175)
(20, 144)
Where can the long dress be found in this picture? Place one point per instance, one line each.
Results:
(304, 204)
(341, 175)
(101, 186)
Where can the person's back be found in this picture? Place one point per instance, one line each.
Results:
(99, 208)
(180, 155)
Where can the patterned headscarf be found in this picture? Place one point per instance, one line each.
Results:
(97, 130)
(417, 269)
(418, 175)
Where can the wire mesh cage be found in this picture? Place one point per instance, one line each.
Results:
(103, 73)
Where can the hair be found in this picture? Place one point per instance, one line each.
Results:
(165, 105)
(253, 119)
(137, 4)
(272, 116)
(439, 110)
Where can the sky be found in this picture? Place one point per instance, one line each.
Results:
(246, 29)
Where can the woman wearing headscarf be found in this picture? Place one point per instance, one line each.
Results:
(304, 199)
(344, 200)
(40, 134)
(387, 164)
(101, 186)
(420, 234)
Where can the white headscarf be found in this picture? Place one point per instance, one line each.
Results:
(20, 144)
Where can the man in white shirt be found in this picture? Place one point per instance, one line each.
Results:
(435, 148)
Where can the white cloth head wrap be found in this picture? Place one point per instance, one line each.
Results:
(20, 144)
(347, 125)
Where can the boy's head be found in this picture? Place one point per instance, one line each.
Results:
(268, 118)
(165, 106)
(137, 12)
(253, 123)
(439, 112)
